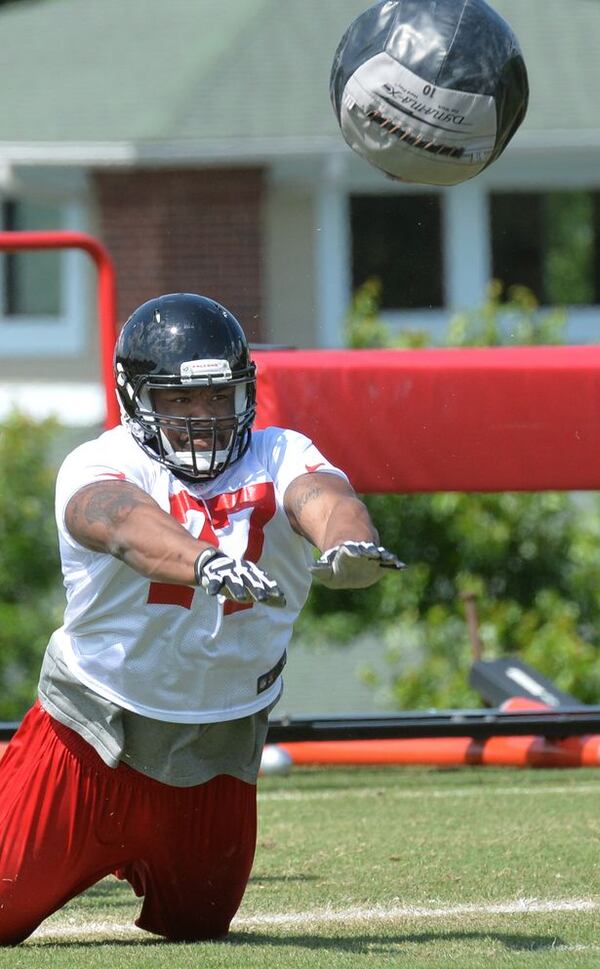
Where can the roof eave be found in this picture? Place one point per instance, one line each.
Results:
(237, 151)
(165, 152)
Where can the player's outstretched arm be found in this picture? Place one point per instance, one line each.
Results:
(324, 509)
(120, 519)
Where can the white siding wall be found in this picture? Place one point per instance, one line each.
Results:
(290, 285)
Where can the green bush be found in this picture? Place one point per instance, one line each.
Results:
(31, 595)
(531, 560)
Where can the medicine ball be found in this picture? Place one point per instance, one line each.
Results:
(429, 91)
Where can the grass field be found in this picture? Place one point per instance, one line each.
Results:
(382, 867)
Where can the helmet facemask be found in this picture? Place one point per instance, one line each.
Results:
(224, 438)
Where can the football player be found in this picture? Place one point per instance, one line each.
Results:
(186, 547)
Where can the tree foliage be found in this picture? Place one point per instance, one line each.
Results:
(31, 595)
(532, 561)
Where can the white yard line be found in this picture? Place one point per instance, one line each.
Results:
(399, 793)
(324, 916)
(382, 913)
(575, 947)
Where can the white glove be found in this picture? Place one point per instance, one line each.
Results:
(236, 579)
(354, 565)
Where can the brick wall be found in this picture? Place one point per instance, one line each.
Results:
(186, 230)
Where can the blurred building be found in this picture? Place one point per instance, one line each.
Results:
(196, 139)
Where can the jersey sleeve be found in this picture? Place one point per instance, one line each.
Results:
(290, 454)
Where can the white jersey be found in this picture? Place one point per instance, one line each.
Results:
(173, 652)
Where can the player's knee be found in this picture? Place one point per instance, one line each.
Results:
(18, 916)
(187, 929)
(197, 933)
(13, 935)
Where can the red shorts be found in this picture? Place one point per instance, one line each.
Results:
(67, 820)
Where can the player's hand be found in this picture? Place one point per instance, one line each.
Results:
(236, 579)
(354, 565)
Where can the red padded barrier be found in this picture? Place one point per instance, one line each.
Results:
(485, 419)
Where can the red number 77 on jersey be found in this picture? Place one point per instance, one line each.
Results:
(259, 497)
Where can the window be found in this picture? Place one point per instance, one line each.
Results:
(548, 242)
(32, 280)
(398, 240)
(43, 294)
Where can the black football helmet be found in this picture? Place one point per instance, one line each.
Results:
(185, 340)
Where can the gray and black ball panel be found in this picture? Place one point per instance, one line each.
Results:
(429, 91)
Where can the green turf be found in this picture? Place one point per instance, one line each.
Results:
(340, 842)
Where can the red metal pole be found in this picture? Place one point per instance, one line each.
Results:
(107, 294)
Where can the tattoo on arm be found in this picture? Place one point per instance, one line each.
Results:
(309, 494)
(312, 499)
(110, 505)
(105, 504)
